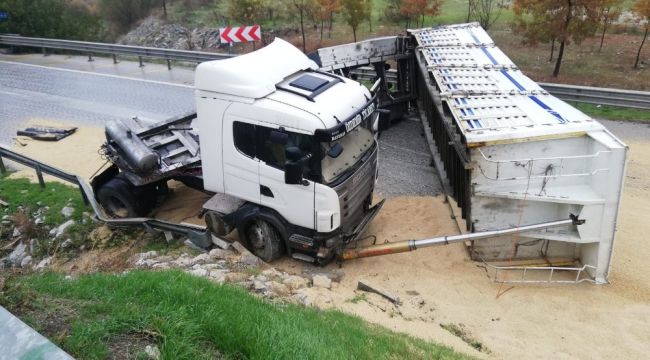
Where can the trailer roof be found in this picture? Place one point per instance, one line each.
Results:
(488, 96)
(253, 75)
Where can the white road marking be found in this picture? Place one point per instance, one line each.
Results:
(98, 74)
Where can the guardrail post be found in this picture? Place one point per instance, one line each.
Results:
(39, 175)
(45, 52)
(169, 64)
(114, 59)
(140, 58)
(2, 166)
(90, 58)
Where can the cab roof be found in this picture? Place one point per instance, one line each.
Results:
(253, 75)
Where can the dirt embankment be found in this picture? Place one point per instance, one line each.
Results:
(442, 287)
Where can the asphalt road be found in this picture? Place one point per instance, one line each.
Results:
(61, 91)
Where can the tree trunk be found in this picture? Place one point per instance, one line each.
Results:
(602, 37)
(638, 54)
(370, 22)
(422, 21)
(552, 50)
(469, 9)
(302, 31)
(558, 63)
(354, 33)
(329, 31)
(164, 4)
(322, 22)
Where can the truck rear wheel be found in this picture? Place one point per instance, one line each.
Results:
(264, 240)
(121, 199)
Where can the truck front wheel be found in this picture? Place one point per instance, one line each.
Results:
(264, 240)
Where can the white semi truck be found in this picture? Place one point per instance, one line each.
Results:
(289, 153)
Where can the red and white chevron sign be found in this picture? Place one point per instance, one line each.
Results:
(240, 34)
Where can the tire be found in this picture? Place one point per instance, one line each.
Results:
(121, 199)
(264, 240)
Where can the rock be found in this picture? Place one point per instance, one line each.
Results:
(19, 253)
(220, 253)
(322, 281)
(16, 232)
(43, 264)
(146, 262)
(302, 298)
(235, 277)
(250, 259)
(39, 221)
(182, 261)
(271, 273)
(63, 227)
(277, 289)
(7, 218)
(67, 211)
(67, 243)
(218, 276)
(152, 352)
(334, 274)
(261, 278)
(161, 266)
(147, 255)
(53, 232)
(201, 259)
(295, 282)
(199, 272)
(26, 261)
(259, 286)
(33, 244)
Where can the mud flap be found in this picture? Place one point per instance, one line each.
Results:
(367, 219)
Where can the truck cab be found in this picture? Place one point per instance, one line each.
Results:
(295, 146)
(289, 154)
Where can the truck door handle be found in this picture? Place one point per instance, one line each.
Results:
(266, 191)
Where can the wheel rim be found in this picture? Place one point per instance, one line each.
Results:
(256, 238)
(116, 207)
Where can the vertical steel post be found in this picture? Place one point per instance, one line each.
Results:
(169, 64)
(39, 175)
(140, 58)
(90, 58)
(114, 59)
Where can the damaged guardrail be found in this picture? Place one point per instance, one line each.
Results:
(199, 235)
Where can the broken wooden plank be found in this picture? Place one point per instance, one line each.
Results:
(364, 285)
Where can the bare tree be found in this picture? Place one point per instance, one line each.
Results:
(486, 12)
(609, 12)
(642, 8)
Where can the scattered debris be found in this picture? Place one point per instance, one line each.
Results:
(364, 285)
(4, 203)
(67, 211)
(46, 133)
(322, 281)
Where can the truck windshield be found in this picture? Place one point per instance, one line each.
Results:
(354, 144)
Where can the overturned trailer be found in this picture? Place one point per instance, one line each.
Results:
(514, 155)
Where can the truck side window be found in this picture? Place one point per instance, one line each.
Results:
(273, 154)
(244, 137)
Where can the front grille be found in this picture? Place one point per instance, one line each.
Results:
(354, 191)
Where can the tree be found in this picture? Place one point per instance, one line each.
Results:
(642, 8)
(244, 12)
(562, 20)
(410, 9)
(58, 19)
(324, 11)
(486, 12)
(304, 8)
(124, 13)
(610, 10)
(354, 12)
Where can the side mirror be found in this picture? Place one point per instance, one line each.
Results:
(279, 137)
(293, 172)
(293, 153)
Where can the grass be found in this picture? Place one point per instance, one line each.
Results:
(459, 330)
(613, 112)
(22, 192)
(191, 318)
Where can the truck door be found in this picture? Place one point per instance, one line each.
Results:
(294, 202)
(240, 163)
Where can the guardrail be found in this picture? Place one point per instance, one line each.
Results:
(584, 94)
(91, 48)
